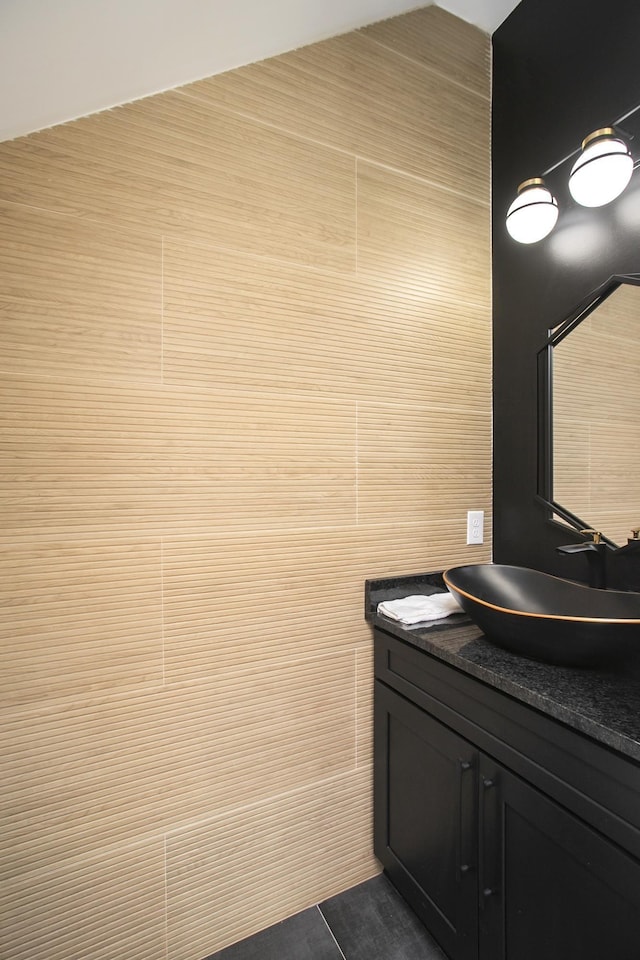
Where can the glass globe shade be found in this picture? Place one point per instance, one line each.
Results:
(533, 214)
(602, 170)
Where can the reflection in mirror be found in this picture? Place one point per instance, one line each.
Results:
(596, 416)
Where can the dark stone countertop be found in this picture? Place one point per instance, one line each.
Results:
(602, 704)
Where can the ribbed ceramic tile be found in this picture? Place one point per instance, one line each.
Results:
(614, 316)
(242, 321)
(596, 407)
(413, 458)
(88, 773)
(89, 459)
(110, 905)
(361, 97)
(235, 599)
(176, 166)
(77, 298)
(619, 315)
(615, 478)
(387, 549)
(364, 704)
(286, 851)
(79, 617)
(572, 466)
(442, 42)
(601, 397)
(605, 342)
(431, 239)
(245, 357)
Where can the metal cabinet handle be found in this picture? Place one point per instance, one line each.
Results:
(466, 788)
(490, 818)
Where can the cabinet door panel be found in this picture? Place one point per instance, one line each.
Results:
(425, 819)
(564, 892)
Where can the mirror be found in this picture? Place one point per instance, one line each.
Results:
(590, 471)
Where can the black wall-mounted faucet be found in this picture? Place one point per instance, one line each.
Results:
(595, 552)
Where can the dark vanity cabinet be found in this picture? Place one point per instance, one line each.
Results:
(426, 818)
(512, 836)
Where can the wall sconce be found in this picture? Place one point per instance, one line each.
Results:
(602, 170)
(598, 176)
(533, 213)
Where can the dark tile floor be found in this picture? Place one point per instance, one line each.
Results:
(368, 922)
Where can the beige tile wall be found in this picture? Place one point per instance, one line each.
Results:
(245, 364)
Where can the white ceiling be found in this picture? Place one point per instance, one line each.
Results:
(61, 59)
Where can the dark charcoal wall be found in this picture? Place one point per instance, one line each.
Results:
(561, 70)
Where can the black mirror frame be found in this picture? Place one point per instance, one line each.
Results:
(545, 399)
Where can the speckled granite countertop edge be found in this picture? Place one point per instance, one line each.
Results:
(601, 704)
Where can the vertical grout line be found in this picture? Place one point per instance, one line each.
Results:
(357, 464)
(162, 309)
(162, 609)
(356, 211)
(166, 901)
(333, 937)
(590, 469)
(355, 705)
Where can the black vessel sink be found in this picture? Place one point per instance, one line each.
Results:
(547, 618)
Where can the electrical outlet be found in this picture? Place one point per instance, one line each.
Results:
(475, 526)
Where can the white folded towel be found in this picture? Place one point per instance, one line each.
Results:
(420, 608)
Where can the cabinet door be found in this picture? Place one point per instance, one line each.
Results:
(551, 886)
(426, 817)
